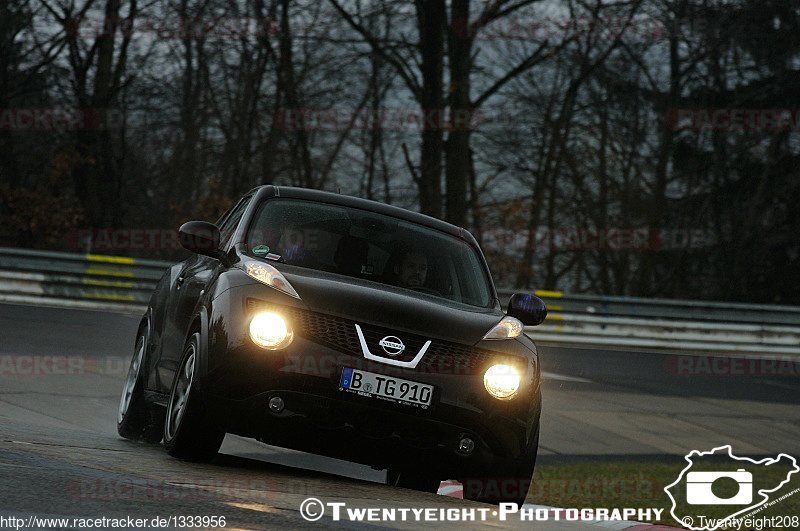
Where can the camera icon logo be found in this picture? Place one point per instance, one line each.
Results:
(698, 488)
(742, 489)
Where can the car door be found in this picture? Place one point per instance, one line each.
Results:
(197, 273)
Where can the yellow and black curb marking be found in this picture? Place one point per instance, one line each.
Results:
(544, 294)
(108, 266)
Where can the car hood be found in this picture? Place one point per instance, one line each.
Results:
(376, 304)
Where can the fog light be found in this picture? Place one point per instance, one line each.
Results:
(466, 446)
(270, 331)
(502, 381)
(276, 404)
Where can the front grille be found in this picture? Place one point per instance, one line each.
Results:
(340, 334)
(444, 357)
(373, 336)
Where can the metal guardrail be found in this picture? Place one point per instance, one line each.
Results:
(700, 327)
(111, 282)
(721, 312)
(121, 283)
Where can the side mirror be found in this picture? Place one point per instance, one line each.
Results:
(528, 308)
(200, 237)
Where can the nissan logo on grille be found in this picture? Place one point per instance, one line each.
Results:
(392, 345)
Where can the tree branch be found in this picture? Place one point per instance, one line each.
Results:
(396, 62)
(411, 169)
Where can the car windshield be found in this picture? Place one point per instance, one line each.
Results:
(362, 244)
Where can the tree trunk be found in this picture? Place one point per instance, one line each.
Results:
(458, 153)
(98, 179)
(432, 18)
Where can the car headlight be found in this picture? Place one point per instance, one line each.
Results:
(270, 331)
(509, 327)
(270, 276)
(502, 381)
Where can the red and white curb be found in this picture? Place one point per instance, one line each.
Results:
(455, 490)
(451, 488)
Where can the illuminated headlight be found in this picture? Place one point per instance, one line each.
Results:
(270, 276)
(502, 381)
(507, 328)
(270, 331)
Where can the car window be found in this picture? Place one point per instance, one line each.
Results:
(231, 220)
(227, 214)
(362, 244)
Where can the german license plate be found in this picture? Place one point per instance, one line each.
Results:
(385, 387)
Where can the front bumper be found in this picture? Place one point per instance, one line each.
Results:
(239, 379)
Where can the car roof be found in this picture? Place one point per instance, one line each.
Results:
(308, 194)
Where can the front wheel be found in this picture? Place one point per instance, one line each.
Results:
(135, 418)
(186, 433)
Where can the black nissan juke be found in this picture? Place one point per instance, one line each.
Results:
(342, 327)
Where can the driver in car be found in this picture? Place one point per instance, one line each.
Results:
(413, 270)
(296, 246)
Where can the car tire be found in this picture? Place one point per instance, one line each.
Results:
(187, 435)
(136, 419)
(413, 480)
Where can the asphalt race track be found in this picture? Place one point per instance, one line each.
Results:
(62, 370)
